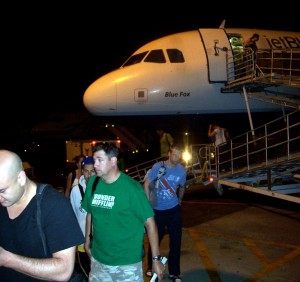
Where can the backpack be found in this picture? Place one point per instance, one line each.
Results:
(161, 172)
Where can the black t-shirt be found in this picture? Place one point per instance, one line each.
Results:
(21, 235)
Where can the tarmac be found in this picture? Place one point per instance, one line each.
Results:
(241, 236)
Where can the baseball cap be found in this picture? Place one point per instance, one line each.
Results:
(87, 160)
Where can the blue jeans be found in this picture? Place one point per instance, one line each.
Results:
(172, 221)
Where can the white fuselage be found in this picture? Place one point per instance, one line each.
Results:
(191, 86)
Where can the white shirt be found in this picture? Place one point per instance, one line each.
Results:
(220, 136)
(75, 198)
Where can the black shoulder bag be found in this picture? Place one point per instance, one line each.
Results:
(93, 191)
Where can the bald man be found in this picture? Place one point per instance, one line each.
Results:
(22, 257)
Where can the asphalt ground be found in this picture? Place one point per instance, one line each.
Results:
(241, 236)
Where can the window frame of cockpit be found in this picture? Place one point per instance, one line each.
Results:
(156, 56)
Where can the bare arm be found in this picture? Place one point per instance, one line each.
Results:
(58, 268)
(181, 190)
(211, 132)
(146, 187)
(68, 185)
(157, 266)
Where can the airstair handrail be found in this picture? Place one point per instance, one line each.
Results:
(268, 65)
(273, 142)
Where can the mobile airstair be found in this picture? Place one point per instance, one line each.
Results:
(265, 160)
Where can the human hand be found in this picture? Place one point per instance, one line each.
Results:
(158, 269)
(87, 247)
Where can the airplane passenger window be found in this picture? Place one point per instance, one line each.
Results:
(175, 56)
(135, 59)
(156, 56)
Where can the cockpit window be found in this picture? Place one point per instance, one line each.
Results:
(175, 56)
(156, 56)
(135, 59)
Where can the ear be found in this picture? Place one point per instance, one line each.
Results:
(22, 178)
(114, 160)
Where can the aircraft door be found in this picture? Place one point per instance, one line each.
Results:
(217, 45)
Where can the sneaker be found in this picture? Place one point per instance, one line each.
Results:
(148, 272)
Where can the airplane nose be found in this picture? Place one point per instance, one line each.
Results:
(100, 96)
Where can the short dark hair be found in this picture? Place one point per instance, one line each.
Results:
(110, 149)
(176, 146)
(77, 158)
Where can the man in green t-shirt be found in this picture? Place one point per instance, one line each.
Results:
(118, 210)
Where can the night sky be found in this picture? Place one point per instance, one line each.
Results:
(52, 53)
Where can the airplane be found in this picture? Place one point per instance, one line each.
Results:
(204, 71)
(189, 73)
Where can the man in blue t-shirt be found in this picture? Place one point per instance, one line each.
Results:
(164, 187)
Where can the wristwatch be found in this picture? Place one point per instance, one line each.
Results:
(156, 258)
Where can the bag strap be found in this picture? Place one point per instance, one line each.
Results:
(93, 191)
(162, 171)
(81, 190)
(95, 184)
(73, 177)
(39, 196)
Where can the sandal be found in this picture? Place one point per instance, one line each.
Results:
(148, 272)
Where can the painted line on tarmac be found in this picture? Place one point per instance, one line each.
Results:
(268, 265)
(253, 246)
(204, 255)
